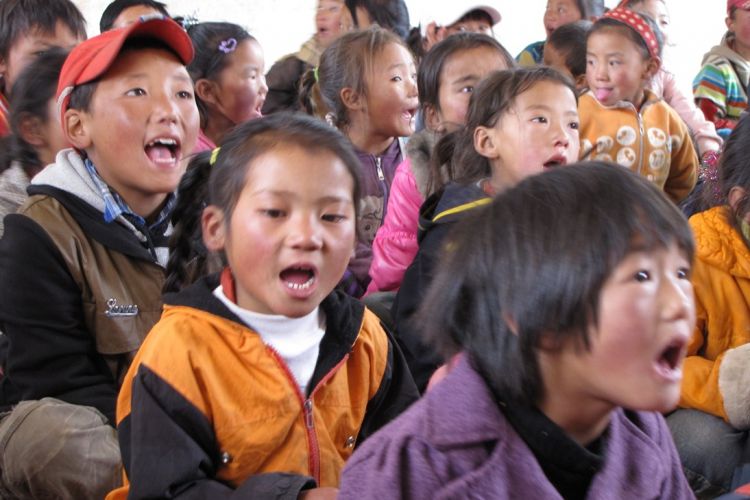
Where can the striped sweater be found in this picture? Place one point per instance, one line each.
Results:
(723, 81)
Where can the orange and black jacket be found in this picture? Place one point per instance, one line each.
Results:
(209, 411)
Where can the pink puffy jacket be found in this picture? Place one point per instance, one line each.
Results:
(395, 243)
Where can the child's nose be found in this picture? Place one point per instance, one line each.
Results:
(561, 134)
(677, 301)
(413, 89)
(304, 233)
(263, 85)
(165, 108)
(600, 73)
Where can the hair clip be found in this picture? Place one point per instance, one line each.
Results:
(214, 156)
(315, 73)
(228, 45)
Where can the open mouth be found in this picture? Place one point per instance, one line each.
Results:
(298, 278)
(669, 363)
(163, 150)
(556, 161)
(409, 114)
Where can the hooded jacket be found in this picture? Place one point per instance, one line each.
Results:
(438, 215)
(652, 141)
(716, 377)
(205, 387)
(77, 294)
(723, 81)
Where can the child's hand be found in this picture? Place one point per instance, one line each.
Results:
(319, 494)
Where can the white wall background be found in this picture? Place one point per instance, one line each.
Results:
(282, 26)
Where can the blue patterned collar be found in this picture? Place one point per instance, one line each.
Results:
(115, 206)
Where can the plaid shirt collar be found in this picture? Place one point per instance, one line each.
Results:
(115, 206)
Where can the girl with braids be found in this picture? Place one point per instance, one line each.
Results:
(262, 377)
(228, 74)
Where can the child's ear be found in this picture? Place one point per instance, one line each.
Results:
(431, 117)
(652, 66)
(581, 82)
(735, 197)
(485, 143)
(75, 129)
(214, 230)
(206, 90)
(31, 130)
(351, 99)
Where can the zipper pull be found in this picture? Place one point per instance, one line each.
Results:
(378, 161)
(308, 414)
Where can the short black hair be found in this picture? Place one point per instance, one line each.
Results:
(526, 272)
(591, 8)
(734, 171)
(115, 8)
(389, 14)
(570, 41)
(19, 17)
(431, 66)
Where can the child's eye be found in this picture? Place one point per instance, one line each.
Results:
(184, 94)
(136, 92)
(272, 213)
(467, 90)
(333, 217)
(683, 273)
(614, 63)
(574, 125)
(642, 276)
(539, 119)
(396, 79)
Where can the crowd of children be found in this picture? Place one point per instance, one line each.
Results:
(461, 276)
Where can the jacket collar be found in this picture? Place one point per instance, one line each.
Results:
(344, 318)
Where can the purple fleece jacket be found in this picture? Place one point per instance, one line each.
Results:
(456, 443)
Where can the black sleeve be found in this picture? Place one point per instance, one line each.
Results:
(396, 393)
(283, 85)
(51, 353)
(421, 358)
(169, 450)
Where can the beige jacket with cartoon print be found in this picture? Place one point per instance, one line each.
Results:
(653, 141)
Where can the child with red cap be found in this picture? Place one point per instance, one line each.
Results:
(82, 263)
(720, 88)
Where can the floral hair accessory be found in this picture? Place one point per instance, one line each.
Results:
(228, 45)
(636, 22)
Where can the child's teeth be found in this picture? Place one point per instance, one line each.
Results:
(301, 286)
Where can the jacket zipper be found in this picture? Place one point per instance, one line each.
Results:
(384, 185)
(307, 408)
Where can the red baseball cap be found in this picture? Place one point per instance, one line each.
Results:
(92, 58)
(739, 4)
